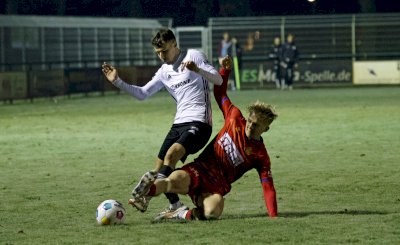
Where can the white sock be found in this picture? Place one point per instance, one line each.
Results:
(161, 176)
(182, 214)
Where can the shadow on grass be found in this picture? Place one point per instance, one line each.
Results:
(300, 214)
(347, 212)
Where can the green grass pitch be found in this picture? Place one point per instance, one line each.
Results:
(334, 151)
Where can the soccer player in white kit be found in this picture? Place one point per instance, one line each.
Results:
(185, 75)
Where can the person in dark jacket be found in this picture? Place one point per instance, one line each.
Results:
(289, 61)
(275, 55)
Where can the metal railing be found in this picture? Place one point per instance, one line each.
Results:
(63, 41)
(34, 42)
(360, 36)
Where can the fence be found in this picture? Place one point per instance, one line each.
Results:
(329, 46)
(360, 36)
(40, 43)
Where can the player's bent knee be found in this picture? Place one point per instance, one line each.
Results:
(213, 206)
(212, 214)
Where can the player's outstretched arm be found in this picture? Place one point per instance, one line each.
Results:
(269, 192)
(220, 92)
(198, 63)
(212, 75)
(139, 93)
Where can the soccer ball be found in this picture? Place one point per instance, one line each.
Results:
(110, 212)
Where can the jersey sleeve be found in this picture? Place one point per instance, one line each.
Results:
(267, 184)
(206, 69)
(141, 93)
(220, 93)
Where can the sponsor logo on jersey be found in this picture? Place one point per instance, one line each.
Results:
(230, 149)
(180, 84)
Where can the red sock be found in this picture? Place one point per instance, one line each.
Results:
(188, 215)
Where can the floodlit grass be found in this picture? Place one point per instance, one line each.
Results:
(335, 159)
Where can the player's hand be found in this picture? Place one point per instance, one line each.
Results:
(226, 62)
(189, 65)
(110, 72)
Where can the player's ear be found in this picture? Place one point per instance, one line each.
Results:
(267, 124)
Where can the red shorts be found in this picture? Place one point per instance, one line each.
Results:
(205, 179)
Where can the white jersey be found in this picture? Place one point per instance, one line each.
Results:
(189, 89)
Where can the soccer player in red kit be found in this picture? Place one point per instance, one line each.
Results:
(236, 149)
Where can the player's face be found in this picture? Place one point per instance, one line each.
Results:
(255, 126)
(277, 41)
(168, 52)
(290, 39)
(226, 36)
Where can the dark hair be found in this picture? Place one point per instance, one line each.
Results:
(162, 36)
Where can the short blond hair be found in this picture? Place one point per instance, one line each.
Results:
(264, 111)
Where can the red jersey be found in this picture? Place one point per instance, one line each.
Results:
(231, 154)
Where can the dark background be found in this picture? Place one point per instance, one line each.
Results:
(194, 12)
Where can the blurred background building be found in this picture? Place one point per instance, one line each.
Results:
(195, 12)
(71, 39)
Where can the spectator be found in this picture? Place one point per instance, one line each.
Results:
(290, 56)
(225, 46)
(228, 47)
(275, 55)
(251, 39)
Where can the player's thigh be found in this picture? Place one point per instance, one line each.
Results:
(172, 137)
(180, 182)
(213, 205)
(194, 137)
